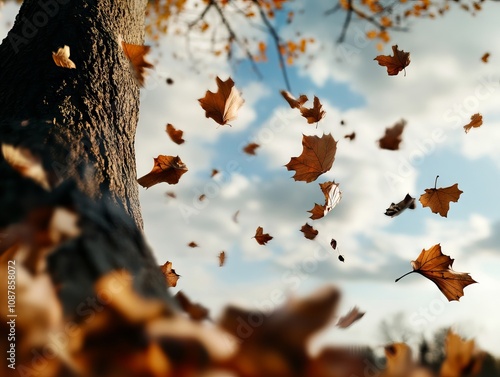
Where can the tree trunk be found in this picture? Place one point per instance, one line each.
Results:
(81, 123)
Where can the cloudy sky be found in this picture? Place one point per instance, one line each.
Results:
(444, 85)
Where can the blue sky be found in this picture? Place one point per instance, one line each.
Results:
(445, 84)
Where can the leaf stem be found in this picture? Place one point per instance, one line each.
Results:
(399, 278)
(435, 182)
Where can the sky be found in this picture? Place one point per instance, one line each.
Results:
(445, 83)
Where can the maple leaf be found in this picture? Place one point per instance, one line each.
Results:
(192, 244)
(136, 56)
(292, 101)
(392, 136)
(476, 120)
(223, 105)
(222, 258)
(332, 198)
(485, 57)
(438, 200)
(318, 154)
(437, 267)
(170, 275)
(167, 169)
(250, 148)
(396, 209)
(309, 232)
(196, 312)
(61, 58)
(395, 63)
(351, 317)
(175, 135)
(315, 113)
(261, 237)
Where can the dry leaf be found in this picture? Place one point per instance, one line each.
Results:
(350, 136)
(167, 169)
(192, 244)
(351, 317)
(399, 361)
(261, 237)
(26, 164)
(438, 200)
(309, 232)
(250, 148)
(396, 209)
(136, 55)
(214, 172)
(171, 194)
(333, 244)
(196, 312)
(395, 63)
(223, 105)
(202, 197)
(222, 258)
(476, 120)
(235, 216)
(292, 101)
(485, 57)
(437, 267)
(169, 81)
(315, 113)
(332, 194)
(175, 135)
(318, 154)
(61, 58)
(170, 275)
(392, 136)
(462, 357)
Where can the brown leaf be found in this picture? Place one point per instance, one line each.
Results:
(350, 136)
(395, 63)
(438, 200)
(392, 136)
(309, 232)
(222, 258)
(315, 113)
(175, 135)
(61, 58)
(476, 120)
(261, 237)
(136, 55)
(171, 276)
(437, 267)
(462, 357)
(196, 312)
(292, 101)
(318, 154)
(171, 194)
(192, 244)
(332, 194)
(351, 317)
(214, 173)
(333, 244)
(485, 57)
(167, 169)
(396, 209)
(223, 105)
(202, 197)
(25, 163)
(399, 361)
(250, 148)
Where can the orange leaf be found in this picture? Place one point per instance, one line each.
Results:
(136, 56)
(392, 136)
(318, 154)
(261, 237)
(315, 113)
(175, 135)
(61, 58)
(332, 198)
(476, 120)
(438, 200)
(351, 317)
(437, 267)
(170, 275)
(166, 169)
(223, 105)
(462, 357)
(396, 209)
(222, 258)
(250, 148)
(292, 101)
(309, 232)
(195, 311)
(192, 244)
(396, 63)
(214, 172)
(485, 57)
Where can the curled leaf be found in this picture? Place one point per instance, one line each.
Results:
(315, 113)
(261, 237)
(222, 258)
(223, 105)
(61, 58)
(397, 209)
(392, 137)
(174, 134)
(292, 101)
(167, 169)
(171, 277)
(351, 317)
(332, 195)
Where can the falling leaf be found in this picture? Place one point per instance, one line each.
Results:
(396, 63)
(309, 232)
(196, 312)
(396, 209)
(292, 101)
(399, 361)
(341, 258)
(437, 267)
(261, 237)
(485, 57)
(202, 197)
(223, 105)
(392, 136)
(175, 135)
(235, 216)
(333, 244)
(318, 154)
(222, 258)
(351, 317)
(342, 122)
(26, 164)
(315, 113)
(438, 200)
(214, 172)
(350, 136)
(476, 120)
(462, 357)
(332, 195)
(61, 58)
(171, 194)
(170, 275)
(169, 81)
(192, 244)
(250, 148)
(167, 169)
(136, 55)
